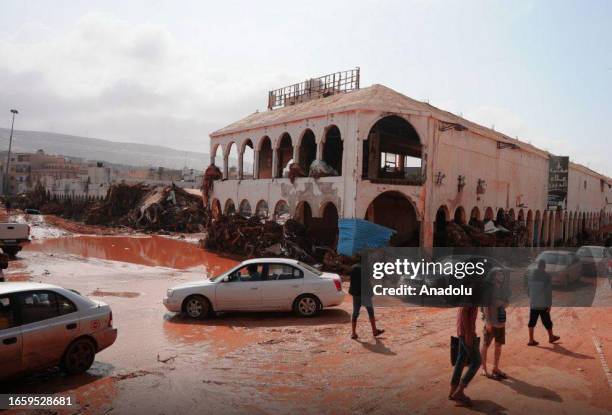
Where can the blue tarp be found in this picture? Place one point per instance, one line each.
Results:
(358, 234)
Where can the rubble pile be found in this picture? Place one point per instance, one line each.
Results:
(256, 237)
(170, 209)
(138, 206)
(253, 237)
(162, 208)
(120, 200)
(506, 234)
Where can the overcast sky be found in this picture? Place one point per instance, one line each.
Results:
(170, 72)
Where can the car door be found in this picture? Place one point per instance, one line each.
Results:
(282, 285)
(575, 270)
(10, 338)
(240, 290)
(49, 323)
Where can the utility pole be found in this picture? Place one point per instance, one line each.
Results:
(8, 157)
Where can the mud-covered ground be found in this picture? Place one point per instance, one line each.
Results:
(277, 363)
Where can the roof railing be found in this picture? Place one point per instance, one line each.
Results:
(314, 88)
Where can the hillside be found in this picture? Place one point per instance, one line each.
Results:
(133, 154)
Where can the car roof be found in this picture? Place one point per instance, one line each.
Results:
(556, 252)
(14, 287)
(270, 260)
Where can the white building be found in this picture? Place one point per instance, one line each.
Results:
(401, 163)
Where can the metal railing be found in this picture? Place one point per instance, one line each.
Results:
(314, 88)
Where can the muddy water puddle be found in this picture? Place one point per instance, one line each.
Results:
(146, 250)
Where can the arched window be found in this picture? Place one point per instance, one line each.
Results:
(232, 162)
(261, 210)
(332, 149)
(393, 151)
(284, 154)
(265, 159)
(308, 150)
(248, 160)
(245, 209)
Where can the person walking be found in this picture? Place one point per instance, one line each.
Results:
(495, 325)
(361, 298)
(540, 299)
(468, 350)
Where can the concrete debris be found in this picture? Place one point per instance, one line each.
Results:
(319, 168)
(490, 234)
(254, 237)
(295, 170)
(211, 174)
(138, 206)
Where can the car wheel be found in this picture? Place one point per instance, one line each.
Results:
(79, 356)
(307, 305)
(196, 306)
(11, 251)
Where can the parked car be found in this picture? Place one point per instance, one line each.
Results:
(43, 326)
(596, 260)
(13, 236)
(564, 267)
(265, 284)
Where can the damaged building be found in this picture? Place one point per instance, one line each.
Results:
(327, 149)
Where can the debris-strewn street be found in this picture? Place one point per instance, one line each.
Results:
(279, 363)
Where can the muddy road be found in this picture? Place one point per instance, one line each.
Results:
(277, 363)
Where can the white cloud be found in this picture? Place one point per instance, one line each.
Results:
(107, 78)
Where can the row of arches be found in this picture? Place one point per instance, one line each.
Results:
(391, 209)
(547, 228)
(392, 151)
(268, 159)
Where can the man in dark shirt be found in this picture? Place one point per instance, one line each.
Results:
(361, 298)
(540, 298)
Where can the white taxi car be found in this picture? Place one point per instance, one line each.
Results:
(265, 284)
(43, 326)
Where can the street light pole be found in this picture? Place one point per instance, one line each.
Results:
(8, 157)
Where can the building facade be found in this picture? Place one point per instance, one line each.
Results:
(397, 162)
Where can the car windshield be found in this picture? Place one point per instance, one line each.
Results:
(309, 268)
(218, 277)
(591, 252)
(554, 258)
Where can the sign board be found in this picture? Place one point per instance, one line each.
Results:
(557, 182)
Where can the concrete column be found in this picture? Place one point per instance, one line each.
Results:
(427, 233)
(319, 150)
(552, 232)
(226, 166)
(240, 164)
(274, 162)
(530, 226)
(296, 154)
(256, 164)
